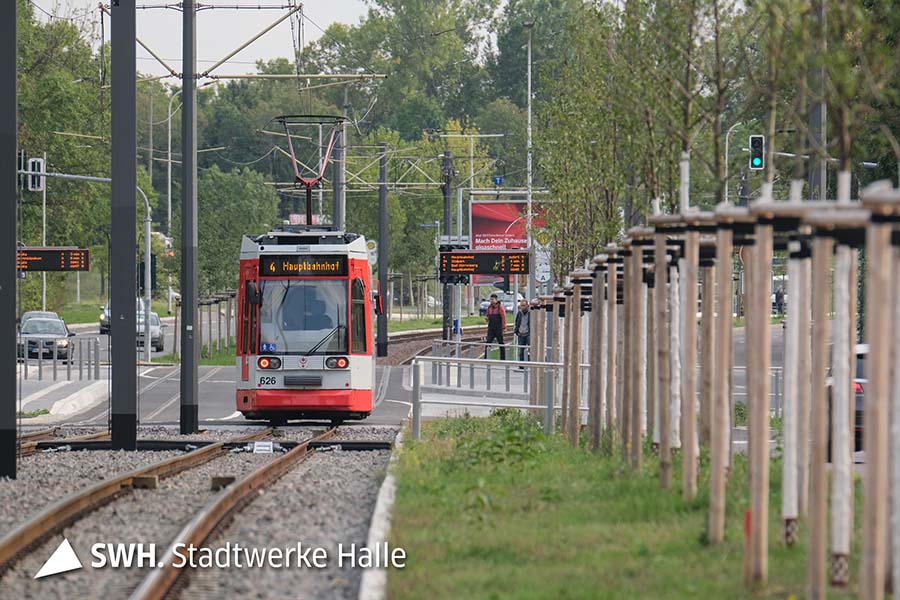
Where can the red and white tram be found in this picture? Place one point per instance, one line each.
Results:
(304, 326)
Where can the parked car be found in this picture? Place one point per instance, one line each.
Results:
(45, 337)
(104, 315)
(37, 314)
(156, 332)
(859, 388)
(509, 303)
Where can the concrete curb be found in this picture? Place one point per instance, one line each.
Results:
(374, 581)
(80, 400)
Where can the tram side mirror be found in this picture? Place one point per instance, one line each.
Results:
(254, 298)
(379, 306)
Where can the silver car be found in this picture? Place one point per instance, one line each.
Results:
(156, 331)
(45, 337)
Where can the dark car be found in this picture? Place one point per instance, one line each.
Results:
(45, 337)
(859, 387)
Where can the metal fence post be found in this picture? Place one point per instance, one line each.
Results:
(69, 354)
(55, 354)
(40, 354)
(549, 385)
(416, 400)
(80, 361)
(96, 358)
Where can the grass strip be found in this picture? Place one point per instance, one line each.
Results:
(491, 508)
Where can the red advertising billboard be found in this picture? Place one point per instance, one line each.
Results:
(501, 225)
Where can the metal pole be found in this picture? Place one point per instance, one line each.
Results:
(458, 288)
(382, 342)
(122, 271)
(169, 174)
(189, 348)
(727, 136)
(530, 181)
(150, 141)
(448, 181)
(147, 273)
(44, 236)
(818, 113)
(8, 128)
(416, 399)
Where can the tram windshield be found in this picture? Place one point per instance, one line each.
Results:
(300, 316)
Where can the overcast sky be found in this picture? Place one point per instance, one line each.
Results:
(218, 31)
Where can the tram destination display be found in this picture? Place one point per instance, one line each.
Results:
(308, 265)
(35, 259)
(484, 263)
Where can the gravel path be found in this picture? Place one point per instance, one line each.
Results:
(48, 476)
(143, 516)
(327, 500)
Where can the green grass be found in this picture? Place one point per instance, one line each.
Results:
(89, 312)
(490, 508)
(415, 324)
(742, 321)
(33, 413)
(223, 358)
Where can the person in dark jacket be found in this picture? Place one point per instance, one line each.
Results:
(496, 323)
(522, 329)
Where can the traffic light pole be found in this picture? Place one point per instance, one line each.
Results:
(382, 343)
(8, 182)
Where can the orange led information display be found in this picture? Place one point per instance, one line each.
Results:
(461, 262)
(306, 265)
(53, 259)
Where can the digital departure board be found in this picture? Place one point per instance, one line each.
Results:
(52, 259)
(461, 262)
(302, 265)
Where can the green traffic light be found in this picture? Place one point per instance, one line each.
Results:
(757, 161)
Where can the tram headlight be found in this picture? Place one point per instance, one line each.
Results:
(337, 362)
(268, 362)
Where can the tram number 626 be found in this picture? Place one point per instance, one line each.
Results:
(266, 381)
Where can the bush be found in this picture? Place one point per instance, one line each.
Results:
(506, 436)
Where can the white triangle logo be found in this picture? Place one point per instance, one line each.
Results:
(63, 559)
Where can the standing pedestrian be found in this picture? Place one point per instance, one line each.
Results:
(522, 329)
(779, 301)
(495, 315)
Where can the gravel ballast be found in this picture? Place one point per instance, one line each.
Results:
(46, 477)
(142, 516)
(325, 501)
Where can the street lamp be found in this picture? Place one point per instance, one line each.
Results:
(529, 25)
(728, 135)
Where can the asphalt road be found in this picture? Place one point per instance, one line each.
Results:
(89, 332)
(159, 398)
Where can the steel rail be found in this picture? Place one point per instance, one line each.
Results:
(35, 435)
(30, 447)
(68, 509)
(161, 582)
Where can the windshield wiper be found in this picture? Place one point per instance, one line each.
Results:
(324, 339)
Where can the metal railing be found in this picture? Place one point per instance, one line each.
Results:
(442, 364)
(84, 353)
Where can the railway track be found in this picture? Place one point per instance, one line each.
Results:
(29, 447)
(30, 436)
(409, 345)
(163, 580)
(138, 506)
(70, 508)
